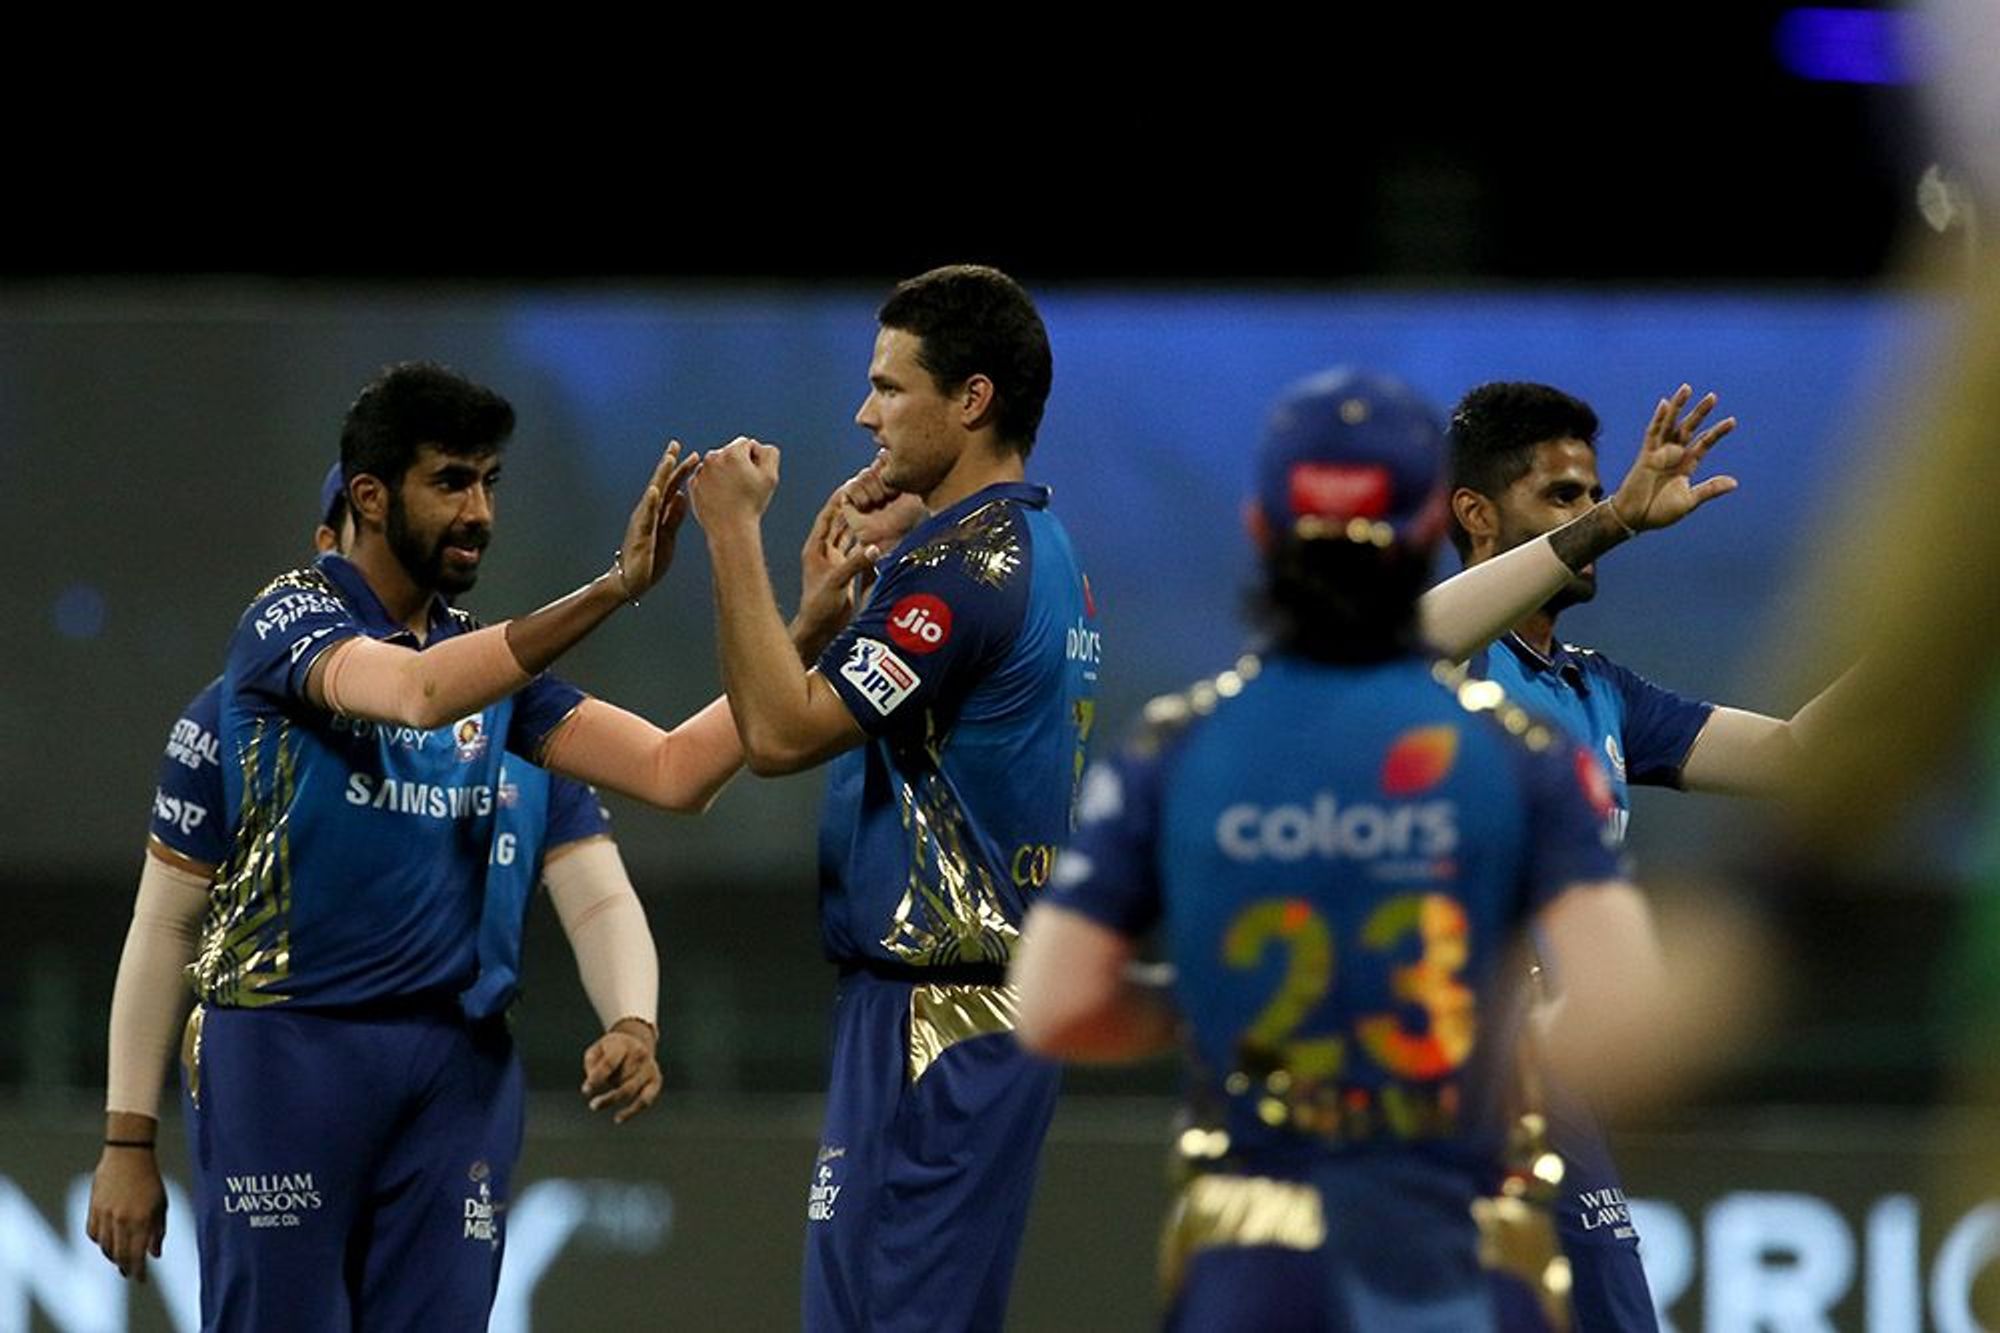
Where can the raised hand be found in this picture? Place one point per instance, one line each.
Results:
(735, 482)
(648, 549)
(833, 572)
(873, 514)
(1660, 490)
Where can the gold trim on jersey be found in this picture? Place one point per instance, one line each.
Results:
(1518, 1237)
(943, 1015)
(1217, 1210)
(951, 910)
(246, 940)
(191, 1053)
(1482, 696)
(987, 542)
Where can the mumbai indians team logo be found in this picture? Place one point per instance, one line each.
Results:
(469, 734)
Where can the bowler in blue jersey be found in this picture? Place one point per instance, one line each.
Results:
(1342, 844)
(353, 1101)
(955, 708)
(1524, 462)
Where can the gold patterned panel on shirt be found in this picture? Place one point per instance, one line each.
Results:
(951, 911)
(941, 1016)
(986, 543)
(1218, 1210)
(246, 941)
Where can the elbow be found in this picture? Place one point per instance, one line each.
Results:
(1041, 1031)
(770, 755)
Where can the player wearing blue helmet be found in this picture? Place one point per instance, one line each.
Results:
(1342, 843)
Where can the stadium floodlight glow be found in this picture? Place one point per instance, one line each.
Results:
(1850, 45)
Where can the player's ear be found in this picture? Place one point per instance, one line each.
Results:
(1476, 514)
(369, 496)
(325, 539)
(977, 401)
(1257, 526)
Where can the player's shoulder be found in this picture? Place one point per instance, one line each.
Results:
(1488, 706)
(1168, 719)
(988, 545)
(206, 706)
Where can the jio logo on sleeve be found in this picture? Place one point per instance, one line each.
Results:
(920, 623)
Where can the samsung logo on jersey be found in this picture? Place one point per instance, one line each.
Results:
(1326, 828)
(419, 798)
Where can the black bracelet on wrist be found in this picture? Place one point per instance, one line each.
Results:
(128, 1143)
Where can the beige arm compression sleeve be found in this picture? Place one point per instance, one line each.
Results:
(1469, 610)
(607, 930)
(361, 677)
(151, 993)
(683, 769)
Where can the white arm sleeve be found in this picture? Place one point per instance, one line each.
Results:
(607, 930)
(1471, 609)
(151, 992)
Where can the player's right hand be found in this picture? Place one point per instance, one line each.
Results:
(1660, 490)
(128, 1209)
(735, 483)
(648, 548)
(874, 514)
(834, 572)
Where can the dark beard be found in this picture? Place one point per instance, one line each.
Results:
(427, 568)
(1580, 589)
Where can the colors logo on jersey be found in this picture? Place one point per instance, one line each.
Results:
(1340, 490)
(1596, 787)
(469, 734)
(1357, 831)
(920, 623)
(883, 678)
(1419, 760)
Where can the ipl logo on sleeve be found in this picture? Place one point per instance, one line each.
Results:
(883, 678)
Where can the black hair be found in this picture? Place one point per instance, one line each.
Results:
(1340, 601)
(1494, 431)
(975, 320)
(417, 403)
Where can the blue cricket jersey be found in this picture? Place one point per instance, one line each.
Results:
(1639, 731)
(357, 851)
(973, 669)
(538, 810)
(1342, 859)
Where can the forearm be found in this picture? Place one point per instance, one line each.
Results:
(1082, 995)
(769, 688)
(388, 683)
(1471, 609)
(682, 770)
(150, 995)
(607, 930)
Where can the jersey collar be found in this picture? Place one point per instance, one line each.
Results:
(368, 608)
(1031, 494)
(1562, 662)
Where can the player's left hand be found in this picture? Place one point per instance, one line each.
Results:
(872, 514)
(1660, 490)
(735, 482)
(621, 1071)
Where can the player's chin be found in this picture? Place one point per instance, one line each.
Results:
(454, 579)
(1581, 588)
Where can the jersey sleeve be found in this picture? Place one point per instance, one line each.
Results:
(283, 633)
(187, 803)
(926, 637)
(575, 813)
(1660, 728)
(1109, 872)
(542, 705)
(1572, 836)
